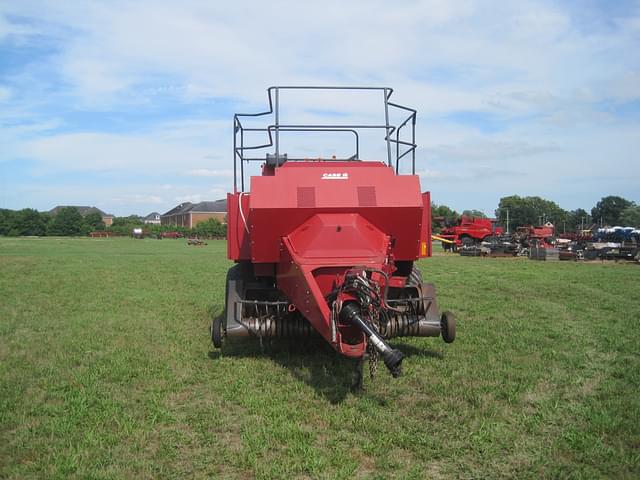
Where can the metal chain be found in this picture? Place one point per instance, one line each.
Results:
(373, 360)
(371, 350)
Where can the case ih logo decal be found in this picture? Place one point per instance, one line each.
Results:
(335, 176)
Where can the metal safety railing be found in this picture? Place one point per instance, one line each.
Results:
(242, 151)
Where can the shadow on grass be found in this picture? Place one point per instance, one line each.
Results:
(413, 351)
(314, 362)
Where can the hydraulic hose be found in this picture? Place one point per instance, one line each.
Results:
(350, 313)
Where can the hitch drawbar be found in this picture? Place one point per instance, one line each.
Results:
(350, 313)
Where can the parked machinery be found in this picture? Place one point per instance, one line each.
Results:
(614, 243)
(469, 232)
(328, 247)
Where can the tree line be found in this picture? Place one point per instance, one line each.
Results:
(611, 210)
(207, 228)
(69, 222)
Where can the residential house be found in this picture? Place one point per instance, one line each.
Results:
(188, 214)
(152, 219)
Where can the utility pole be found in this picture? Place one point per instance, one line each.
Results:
(507, 221)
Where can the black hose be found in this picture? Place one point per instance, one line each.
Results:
(350, 313)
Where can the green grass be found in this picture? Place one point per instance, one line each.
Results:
(106, 371)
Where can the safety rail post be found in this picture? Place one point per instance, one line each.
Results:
(413, 140)
(235, 153)
(242, 156)
(277, 113)
(397, 151)
(386, 130)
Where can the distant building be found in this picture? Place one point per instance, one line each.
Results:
(188, 214)
(152, 218)
(107, 218)
(177, 215)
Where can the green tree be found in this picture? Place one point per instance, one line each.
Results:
(440, 214)
(30, 222)
(7, 222)
(210, 228)
(128, 221)
(608, 210)
(125, 225)
(630, 216)
(67, 221)
(93, 221)
(474, 213)
(577, 219)
(529, 211)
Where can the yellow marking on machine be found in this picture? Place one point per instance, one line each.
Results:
(440, 239)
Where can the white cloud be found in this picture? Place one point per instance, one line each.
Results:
(205, 172)
(487, 150)
(194, 198)
(138, 199)
(5, 94)
(148, 153)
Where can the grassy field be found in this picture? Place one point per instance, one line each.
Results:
(106, 371)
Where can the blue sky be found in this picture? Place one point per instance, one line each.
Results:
(127, 105)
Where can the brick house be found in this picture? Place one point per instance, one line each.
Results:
(188, 214)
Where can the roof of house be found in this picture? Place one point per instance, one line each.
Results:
(182, 208)
(152, 216)
(219, 206)
(83, 209)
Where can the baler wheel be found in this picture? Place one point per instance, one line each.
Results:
(414, 280)
(448, 324)
(216, 331)
(236, 272)
(415, 277)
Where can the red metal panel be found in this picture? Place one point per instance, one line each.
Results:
(238, 246)
(306, 197)
(339, 187)
(367, 196)
(315, 257)
(344, 236)
(425, 232)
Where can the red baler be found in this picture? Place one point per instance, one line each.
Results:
(328, 246)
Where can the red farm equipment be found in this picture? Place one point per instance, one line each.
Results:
(327, 247)
(469, 231)
(530, 236)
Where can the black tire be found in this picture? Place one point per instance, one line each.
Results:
(467, 241)
(414, 281)
(240, 271)
(415, 278)
(448, 326)
(218, 328)
(216, 331)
